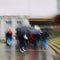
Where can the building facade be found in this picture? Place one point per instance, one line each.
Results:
(11, 22)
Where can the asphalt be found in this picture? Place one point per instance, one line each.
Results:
(11, 53)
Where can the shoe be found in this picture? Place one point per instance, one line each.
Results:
(25, 50)
(21, 51)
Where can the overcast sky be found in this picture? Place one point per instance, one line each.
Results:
(28, 7)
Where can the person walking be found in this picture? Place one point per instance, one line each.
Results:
(21, 42)
(9, 37)
(44, 36)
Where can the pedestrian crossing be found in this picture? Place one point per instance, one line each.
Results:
(55, 44)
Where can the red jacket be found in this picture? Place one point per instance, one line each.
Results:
(30, 37)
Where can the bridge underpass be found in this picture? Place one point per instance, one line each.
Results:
(52, 52)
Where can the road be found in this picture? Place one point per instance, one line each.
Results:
(11, 53)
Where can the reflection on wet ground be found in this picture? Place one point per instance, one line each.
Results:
(10, 53)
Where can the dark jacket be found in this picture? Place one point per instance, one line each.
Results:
(8, 35)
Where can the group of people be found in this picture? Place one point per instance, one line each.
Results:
(24, 41)
(31, 40)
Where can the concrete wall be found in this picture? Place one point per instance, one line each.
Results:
(28, 7)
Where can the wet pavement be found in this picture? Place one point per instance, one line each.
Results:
(11, 53)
